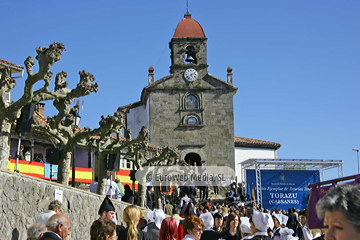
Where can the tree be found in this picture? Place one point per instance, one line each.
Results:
(59, 128)
(140, 158)
(10, 111)
(135, 150)
(113, 143)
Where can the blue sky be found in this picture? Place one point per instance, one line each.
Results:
(295, 63)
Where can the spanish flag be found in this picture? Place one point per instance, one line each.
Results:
(41, 170)
(253, 198)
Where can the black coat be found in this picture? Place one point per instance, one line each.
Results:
(228, 236)
(149, 200)
(261, 238)
(50, 236)
(210, 235)
(153, 231)
(292, 222)
(141, 235)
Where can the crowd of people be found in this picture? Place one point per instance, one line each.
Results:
(339, 210)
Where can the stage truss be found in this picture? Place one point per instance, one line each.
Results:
(286, 164)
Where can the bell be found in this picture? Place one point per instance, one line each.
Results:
(189, 58)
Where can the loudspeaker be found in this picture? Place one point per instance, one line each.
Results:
(52, 155)
(24, 122)
(114, 162)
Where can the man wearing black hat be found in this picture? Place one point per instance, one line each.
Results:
(107, 210)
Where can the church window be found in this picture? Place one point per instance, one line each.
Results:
(191, 102)
(192, 120)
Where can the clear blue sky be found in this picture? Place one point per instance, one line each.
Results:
(296, 63)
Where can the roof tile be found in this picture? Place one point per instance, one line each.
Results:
(256, 143)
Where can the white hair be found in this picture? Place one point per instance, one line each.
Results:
(344, 198)
(55, 220)
(35, 230)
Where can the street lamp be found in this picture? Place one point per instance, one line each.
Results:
(357, 156)
(76, 124)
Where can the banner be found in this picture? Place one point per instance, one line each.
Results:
(317, 192)
(283, 189)
(41, 170)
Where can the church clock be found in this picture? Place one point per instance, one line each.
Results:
(190, 74)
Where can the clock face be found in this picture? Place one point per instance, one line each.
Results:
(190, 74)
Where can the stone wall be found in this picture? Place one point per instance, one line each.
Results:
(23, 197)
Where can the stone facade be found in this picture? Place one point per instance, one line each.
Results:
(212, 138)
(23, 198)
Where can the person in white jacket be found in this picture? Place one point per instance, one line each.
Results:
(307, 233)
(54, 207)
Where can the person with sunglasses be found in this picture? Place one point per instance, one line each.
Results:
(193, 228)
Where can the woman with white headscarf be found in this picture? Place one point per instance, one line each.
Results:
(209, 233)
(153, 229)
(259, 224)
(287, 234)
(245, 228)
(280, 221)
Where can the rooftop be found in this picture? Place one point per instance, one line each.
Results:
(13, 67)
(255, 143)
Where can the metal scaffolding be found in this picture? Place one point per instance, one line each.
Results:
(286, 164)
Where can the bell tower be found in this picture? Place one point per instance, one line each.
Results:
(190, 109)
(188, 46)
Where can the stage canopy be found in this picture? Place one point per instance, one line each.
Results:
(286, 164)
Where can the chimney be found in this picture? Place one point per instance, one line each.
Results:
(229, 75)
(40, 108)
(151, 75)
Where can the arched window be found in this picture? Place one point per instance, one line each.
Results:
(192, 120)
(191, 102)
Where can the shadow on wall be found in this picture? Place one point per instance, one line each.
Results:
(15, 234)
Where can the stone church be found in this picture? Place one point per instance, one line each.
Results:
(190, 109)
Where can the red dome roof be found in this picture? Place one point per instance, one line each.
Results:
(188, 27)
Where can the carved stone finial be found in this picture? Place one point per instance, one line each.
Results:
(229, 75)
(151, 70)
(229, 70)
(151, 75)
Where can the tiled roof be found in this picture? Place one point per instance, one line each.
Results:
(11, 65)
(131, 105)
(255, 143)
